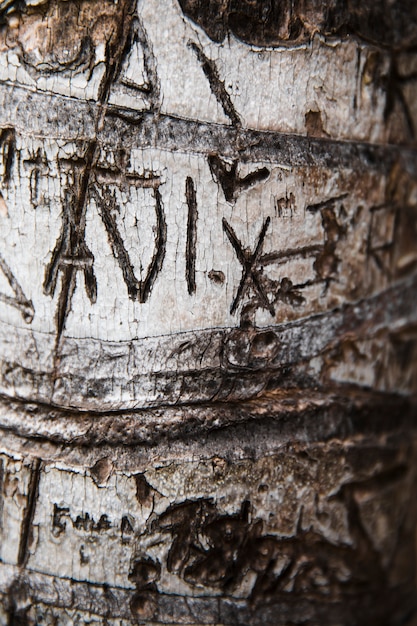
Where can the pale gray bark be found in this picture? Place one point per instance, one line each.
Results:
(207, 312)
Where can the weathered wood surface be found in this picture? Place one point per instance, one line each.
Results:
(207, 312)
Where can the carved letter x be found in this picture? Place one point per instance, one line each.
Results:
(248, 260)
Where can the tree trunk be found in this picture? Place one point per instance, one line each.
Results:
(208, 315)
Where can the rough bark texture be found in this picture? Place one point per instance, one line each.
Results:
(208, 343)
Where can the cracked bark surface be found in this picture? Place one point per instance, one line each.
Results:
(208, 349)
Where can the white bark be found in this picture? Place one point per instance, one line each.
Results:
(207, 315)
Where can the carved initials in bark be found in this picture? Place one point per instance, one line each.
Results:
(235, 544)
(71, 255)
(327, 261)
(19, 301)
(137, 289)
(150, 89)
(73, 231)
(249, 261)
(231, 183)
(216, 84)
(39, 167)
(7, 145)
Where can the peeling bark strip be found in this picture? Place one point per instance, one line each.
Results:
(208, 348)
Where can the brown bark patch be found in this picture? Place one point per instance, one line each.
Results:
(58, 36)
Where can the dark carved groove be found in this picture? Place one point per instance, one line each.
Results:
(137, 290)
(8, 148)
(26, 527)
(159, 253)
(217, 86)
(75, 216)
(250, 276)
(190, 254)
(231, 183)
(152, 90)
(19, 300)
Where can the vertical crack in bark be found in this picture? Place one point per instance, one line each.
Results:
(26, 528)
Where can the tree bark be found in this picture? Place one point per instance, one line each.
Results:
(208, 312)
